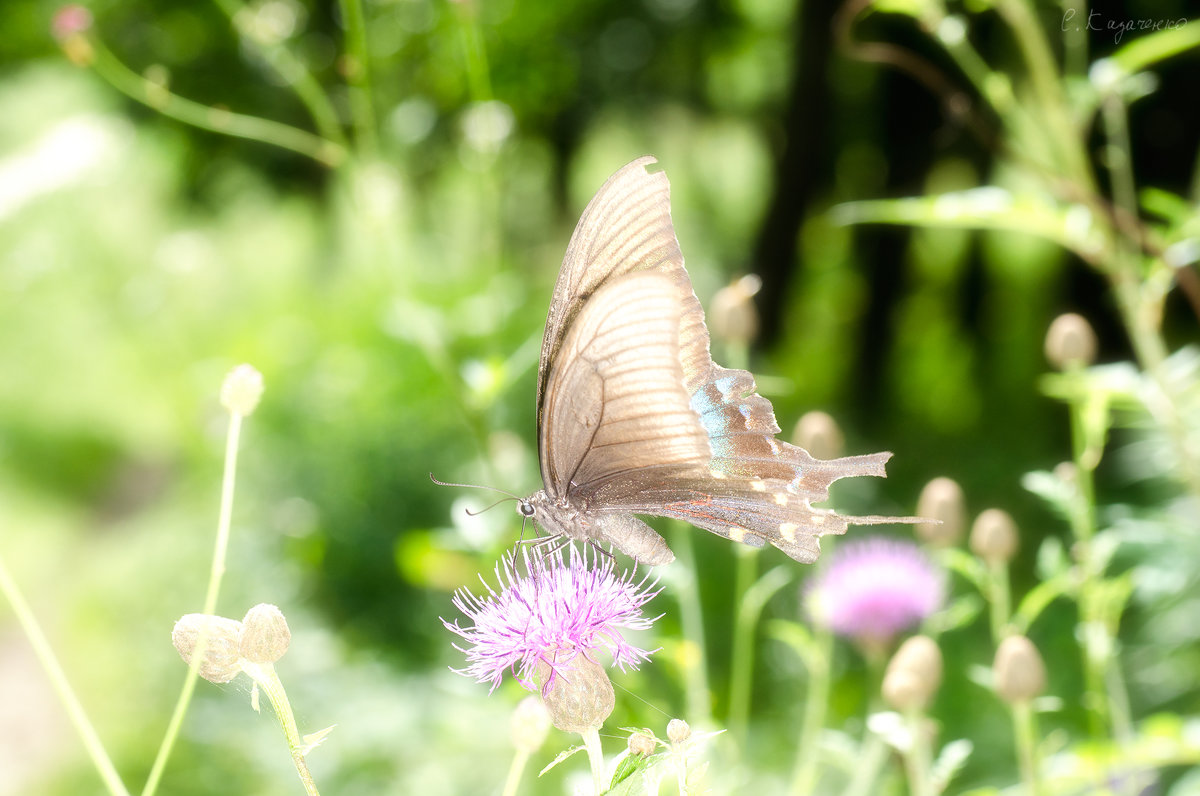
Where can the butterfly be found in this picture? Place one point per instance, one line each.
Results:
(635, 418)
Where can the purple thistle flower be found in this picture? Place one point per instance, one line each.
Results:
(548, 616)
(875, 588)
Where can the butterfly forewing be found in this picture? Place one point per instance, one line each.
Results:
(616, 403)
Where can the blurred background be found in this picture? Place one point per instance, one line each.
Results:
(383, 250)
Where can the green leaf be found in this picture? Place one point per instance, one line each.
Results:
(315, 739)
(629, 765)
(987, 207)
(950, 762)
(966, 565)
(1151, 48)
(563, 755)
(1040, 596)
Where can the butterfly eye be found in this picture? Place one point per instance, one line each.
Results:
(525, 508)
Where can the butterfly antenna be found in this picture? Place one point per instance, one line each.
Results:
(474, 486)
(494, 505)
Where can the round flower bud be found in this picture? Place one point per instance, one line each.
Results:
(913, 675)
(530, 724)
(1019, 672)
(265, 634)
(732, 315)
(942, 502)
(994, 537)
(242, 389)
(678, 731)
(818, 433)
(580, 696)
(220, 662)
(1070, 342)
(642, 744)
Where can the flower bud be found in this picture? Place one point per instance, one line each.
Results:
(818, 433)
(580, 696)
(994, 537)
(732, 314)
(220, 662)
(265, 634)
(242, 389)
(1070, 342)
(913, 675)
(1019, 672)
(642, 744)
(678, 731)
(530, 724)
(941, 499)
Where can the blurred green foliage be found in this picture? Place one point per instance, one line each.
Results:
(395, 304)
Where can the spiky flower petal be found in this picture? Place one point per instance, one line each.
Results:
(542, 619)
(875, 588)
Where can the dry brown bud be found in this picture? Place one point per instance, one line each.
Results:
(819, 434)
(941, 499)
(913, 675)
(220, 661)
(678, 731)
(241, 390)
(642, 744)
(265, 634)
(1019, 672)
(1070, 342)
(581, 696)
(732, 314)
(530, 724)
(994, 537)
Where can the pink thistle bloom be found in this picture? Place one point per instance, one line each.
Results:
(875, 588)
(69, 21)
(548, 616)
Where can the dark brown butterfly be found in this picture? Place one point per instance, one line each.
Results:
(633, 415)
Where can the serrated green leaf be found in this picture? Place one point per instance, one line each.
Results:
(563, 755)
(629, 765)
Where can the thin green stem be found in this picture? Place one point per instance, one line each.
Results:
(1046, 81)
(917, 757)
(816, 703)
(750, 608)
(293, 71)
(999, 599)
(513, 780)
(358, 74)
(58, 679)
(873, 755)
(156, 96)
(595, 753)
(1025, 738)
(695, 668)
(741, 669)
(216, 571)
(268, 680)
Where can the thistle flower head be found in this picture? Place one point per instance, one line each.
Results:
(540, 621)
(875, 588)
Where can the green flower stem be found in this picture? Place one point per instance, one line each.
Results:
(1046, 80)
(816, 703)
(513, 780)
(1025, 737)
(359, 75)
(999, 599)
(871, 760)
(289, 67)
(253, 128)
(216, 571)
(595, 753)
(749, 608)
(268, 680)
(58, 679)
(917, 757)
(695, 670)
